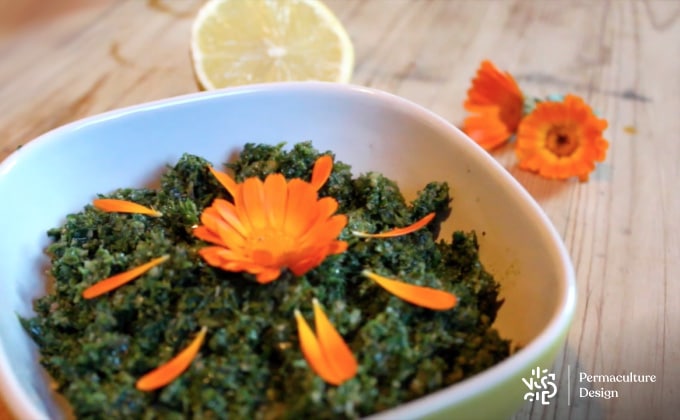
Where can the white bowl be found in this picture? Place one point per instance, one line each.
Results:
(62, 170)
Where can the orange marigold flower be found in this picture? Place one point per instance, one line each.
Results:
(496, 103)
(559, 140)
(326, 352)
(273, 225)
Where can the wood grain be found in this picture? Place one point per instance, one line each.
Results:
(77, 58)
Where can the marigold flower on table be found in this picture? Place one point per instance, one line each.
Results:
(560, 140)
(495, 103)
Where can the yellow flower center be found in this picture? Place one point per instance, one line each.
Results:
(273, 242)
(561, 141)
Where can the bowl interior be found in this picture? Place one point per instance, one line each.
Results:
(62, 171)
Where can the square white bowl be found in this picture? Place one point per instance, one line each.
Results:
(63, 170)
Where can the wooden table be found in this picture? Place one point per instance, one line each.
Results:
(61, 61)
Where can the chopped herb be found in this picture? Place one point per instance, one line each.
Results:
(251, 364)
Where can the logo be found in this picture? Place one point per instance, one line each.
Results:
(541, 386)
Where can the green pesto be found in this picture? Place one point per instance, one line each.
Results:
(251, 365)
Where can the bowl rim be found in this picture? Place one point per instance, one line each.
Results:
(556, 328)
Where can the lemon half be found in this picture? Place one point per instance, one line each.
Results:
(236, 42)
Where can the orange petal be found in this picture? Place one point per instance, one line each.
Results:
(218, 231)
(268, 275)
(325, 208)
(111, 205)
(318, 213)
(492, 86)
(120, 279)
(337, 247)
(313, 258)
(311, 349)
(171, 370)
(331, 228)
(209, 216)
(333, 346)
(226, 181)
(252, 191)
(325, 231)
(302, 199)
(321, 171)
(241, 212)
(211, 255)
(486, 129)
(217, 255)
(203, 233)
(397, 231)
(426, 297)
(262, 257)
(276, 195)
(228, 212)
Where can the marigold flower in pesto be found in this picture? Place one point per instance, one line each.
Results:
(172, 369)
(320, 174)
(560, 140)
(112, 205)
(326, 352)
(425, 297)
(272, 225)
(495, 103)
(117, 280)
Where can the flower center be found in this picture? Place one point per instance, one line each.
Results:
(274, 242)
(561, 141)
